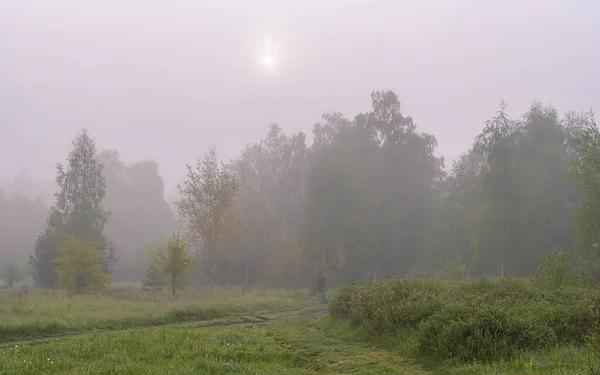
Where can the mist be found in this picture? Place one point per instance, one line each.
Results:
(157, 83)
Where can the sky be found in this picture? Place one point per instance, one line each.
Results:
(164, 80)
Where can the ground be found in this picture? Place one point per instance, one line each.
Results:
(288, 343)
(223, 334)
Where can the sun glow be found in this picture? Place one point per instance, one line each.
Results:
(268, 56)
(267, 61)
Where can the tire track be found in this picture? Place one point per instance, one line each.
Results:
(311, 310)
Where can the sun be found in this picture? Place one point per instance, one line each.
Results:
(267, 58)
(267, 61)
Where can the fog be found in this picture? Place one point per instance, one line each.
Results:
(163, 81)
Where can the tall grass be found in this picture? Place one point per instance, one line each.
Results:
(43, 313)
(475, 320)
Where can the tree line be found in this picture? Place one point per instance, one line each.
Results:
(367, 199)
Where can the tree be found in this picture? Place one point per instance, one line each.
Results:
(12, 274)
(205, 204)
(173, 261)
(509, 201)
(587, 176)
(79, 267)
(42, 262)
(151, 280)
(78, 210)
(140, 215)
(21, 219)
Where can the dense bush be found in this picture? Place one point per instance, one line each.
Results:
(481, 319)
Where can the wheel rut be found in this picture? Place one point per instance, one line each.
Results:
(243, 319)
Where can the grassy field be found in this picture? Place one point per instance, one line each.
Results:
(304, 345)
(406, 326)
(45, 313)
(292, 346)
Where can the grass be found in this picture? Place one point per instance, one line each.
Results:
(560, 359)
(294, 346)
(303, 345)
(47, 313)
(478, 320)
(482, 326)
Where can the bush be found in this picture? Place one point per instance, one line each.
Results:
(454, 269)
(383, 306)
(557, 271)
(481, 319)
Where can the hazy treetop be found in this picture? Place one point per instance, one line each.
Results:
(165, 79)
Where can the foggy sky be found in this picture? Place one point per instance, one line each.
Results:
(165, 79)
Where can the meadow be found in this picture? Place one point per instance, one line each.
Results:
(395, 326)
(39, 313)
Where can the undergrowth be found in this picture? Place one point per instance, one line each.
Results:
(479, 320)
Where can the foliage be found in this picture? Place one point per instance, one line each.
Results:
(585, 173)
(509, 199)
(11, 274)
(151, 281)
(479, 319)
(77, 213)
(140, 214)
(368, 199)
(79, 267)
(42, 262)
(557, 271)
(454, 269)
(206, 202)
(173, 261)
(78, 209)
(592, 339)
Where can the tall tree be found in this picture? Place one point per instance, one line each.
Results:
(587, 175)
(78, 210)
(509, 200)
(205, 204)
(140, 214)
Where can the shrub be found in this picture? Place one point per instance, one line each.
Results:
(454, 269)
(557, 271)
(481, 319)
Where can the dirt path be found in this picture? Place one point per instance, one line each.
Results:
(261, 319)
